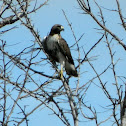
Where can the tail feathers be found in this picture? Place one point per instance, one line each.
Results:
(73, 73)
(70, 69)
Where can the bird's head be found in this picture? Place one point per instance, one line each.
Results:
(56, 29)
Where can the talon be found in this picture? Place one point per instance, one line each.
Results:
(61, 73)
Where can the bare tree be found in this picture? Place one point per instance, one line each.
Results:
(110, 38)
(71, 104)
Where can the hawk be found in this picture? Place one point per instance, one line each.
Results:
(58, 51)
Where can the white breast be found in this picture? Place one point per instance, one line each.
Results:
(52, 42)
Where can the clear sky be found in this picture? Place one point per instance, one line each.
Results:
(51, 14)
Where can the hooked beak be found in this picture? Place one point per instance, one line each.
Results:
(62, 28)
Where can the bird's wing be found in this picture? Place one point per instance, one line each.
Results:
(65, 50)
(50, 53)
(44, 43)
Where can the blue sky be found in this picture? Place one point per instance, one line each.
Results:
(52, 14)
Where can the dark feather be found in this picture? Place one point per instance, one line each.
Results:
(65, 50)
(51, 53)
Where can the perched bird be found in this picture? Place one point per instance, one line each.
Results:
(58, 51)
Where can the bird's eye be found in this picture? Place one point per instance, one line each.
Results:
(59, 26)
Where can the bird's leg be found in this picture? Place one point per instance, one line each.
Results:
(61, 71)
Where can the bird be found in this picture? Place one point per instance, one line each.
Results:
(58, 50)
